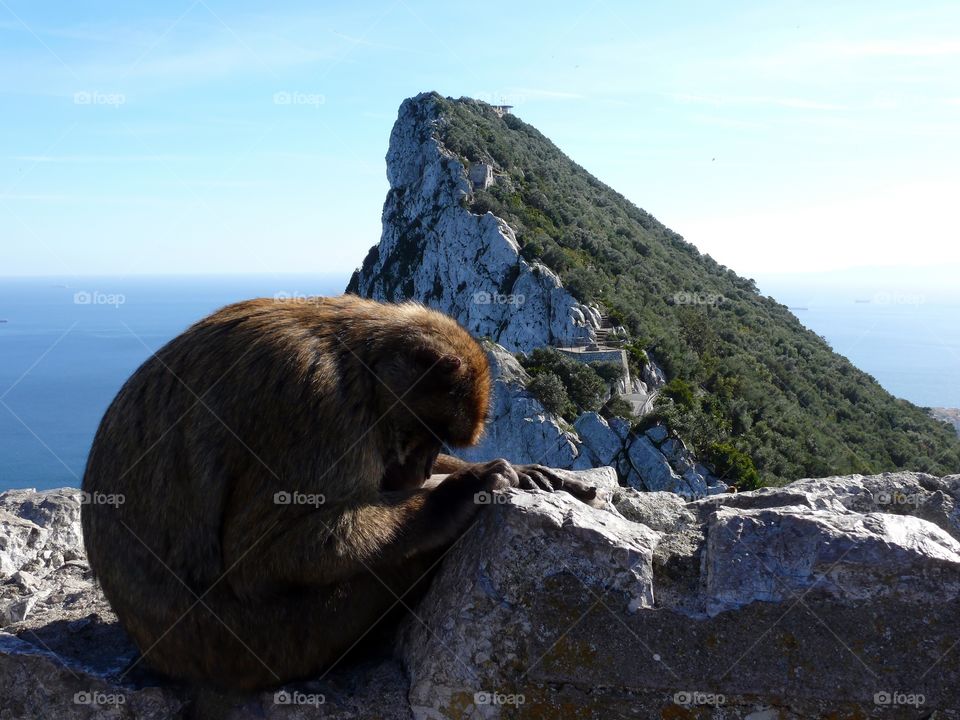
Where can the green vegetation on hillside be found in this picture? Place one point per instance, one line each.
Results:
(750, 386)
(569, 388)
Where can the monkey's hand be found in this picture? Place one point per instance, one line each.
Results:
(475, 479)
(538, 477)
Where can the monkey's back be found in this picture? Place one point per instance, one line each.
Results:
(260, 397)
(209, 427)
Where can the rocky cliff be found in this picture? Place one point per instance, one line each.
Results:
(433, 249)
(521, 430)
(828, 598)
(481, 203)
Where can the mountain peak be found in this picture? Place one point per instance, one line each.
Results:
(489, 221)
(434, 249)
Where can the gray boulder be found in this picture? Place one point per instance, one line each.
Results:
(598, 438)
(520, 429)
(650, 469)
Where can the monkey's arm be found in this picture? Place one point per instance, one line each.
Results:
(335, 543)
(446, 464)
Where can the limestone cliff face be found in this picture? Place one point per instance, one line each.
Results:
(469, 266)
(521, 430)
(434, 250)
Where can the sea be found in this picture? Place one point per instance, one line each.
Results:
(68, 344)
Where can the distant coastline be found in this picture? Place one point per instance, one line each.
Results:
(950, 415)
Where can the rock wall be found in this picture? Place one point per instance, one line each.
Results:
(828, 598)
(469, 266)
(818, 600)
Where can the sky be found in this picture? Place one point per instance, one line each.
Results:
(204, 136)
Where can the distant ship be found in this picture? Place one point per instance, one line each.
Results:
(799, 308)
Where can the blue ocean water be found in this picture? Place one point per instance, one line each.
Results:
(68, 344)
(902, 327)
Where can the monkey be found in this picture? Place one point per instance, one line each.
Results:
(272, 464)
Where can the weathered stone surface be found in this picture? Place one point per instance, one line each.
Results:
(664, 512)
(659, 462)
(808, 601)
(658, 433)
(603, 444)
(500, 576)
(651, 469)
(781, 611)
(777, 553)
(520, 429)
(620, 426)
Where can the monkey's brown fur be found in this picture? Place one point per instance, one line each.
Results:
(214, 579)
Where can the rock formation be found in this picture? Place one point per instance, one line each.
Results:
(827, 598)
(521, 430)
(434, 250)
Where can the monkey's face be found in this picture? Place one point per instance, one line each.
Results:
(444, 396)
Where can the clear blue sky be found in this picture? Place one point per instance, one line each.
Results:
(145, 138)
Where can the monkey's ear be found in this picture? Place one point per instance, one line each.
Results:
(438, 361)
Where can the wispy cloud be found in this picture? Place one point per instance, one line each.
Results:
(89, 159)
(181, 52)
(219, 57)
(373, 44)
(86, 199)
(102, 33)
(894, 48)
(547, 94)
(787, 102)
